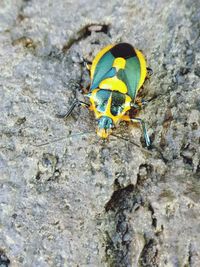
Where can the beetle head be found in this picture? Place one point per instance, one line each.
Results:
(105, 125)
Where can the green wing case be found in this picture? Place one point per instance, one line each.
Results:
(131, 75)
(103, 70)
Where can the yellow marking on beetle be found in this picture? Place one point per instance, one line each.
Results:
(107, 111)
(108, 107)
(143, 68)
(104, 133)
(92, 100)
(118, 117)
(126, 118)
(119, 63)
(114, 84)
(97, 58)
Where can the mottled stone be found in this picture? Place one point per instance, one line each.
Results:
(68, 198)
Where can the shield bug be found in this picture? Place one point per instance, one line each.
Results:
(117, 73)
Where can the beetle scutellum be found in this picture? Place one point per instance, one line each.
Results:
(117, 73)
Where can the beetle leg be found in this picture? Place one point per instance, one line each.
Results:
(139, 104)
(142, 123)
(88, 66)
(83, 104)
(85, 90)
(87, 63)
(74, 104)
(144, 102)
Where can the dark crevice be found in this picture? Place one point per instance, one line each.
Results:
(84, 33)
(37, 177)
(154, 220)
(120, 234)
(144, 173)
(118, 197)
(164, 159)
(187, 160)
(190, 256)
(187, 153)
(119, 238)
(198, 170)
(4, 260)
(149, 254)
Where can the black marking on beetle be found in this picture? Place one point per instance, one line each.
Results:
(123, 50)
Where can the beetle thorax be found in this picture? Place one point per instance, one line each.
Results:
(110, 104)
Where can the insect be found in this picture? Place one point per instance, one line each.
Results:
(117, 73)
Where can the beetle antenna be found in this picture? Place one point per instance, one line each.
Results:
(125, 139)
(66, 115)
(128, 140)
(62, 138)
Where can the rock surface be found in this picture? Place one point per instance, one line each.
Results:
(68, 198)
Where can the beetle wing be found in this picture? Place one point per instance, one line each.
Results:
(130, 75)
(102, 67)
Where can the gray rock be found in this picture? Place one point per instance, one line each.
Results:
(68, 198)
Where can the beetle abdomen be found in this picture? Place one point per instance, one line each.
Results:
(119, 62)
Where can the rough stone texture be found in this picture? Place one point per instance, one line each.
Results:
(68, 198)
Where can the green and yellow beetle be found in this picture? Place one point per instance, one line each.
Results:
(117, 73)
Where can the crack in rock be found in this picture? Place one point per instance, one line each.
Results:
(119, 233)
(84, 32)
(149, 254)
